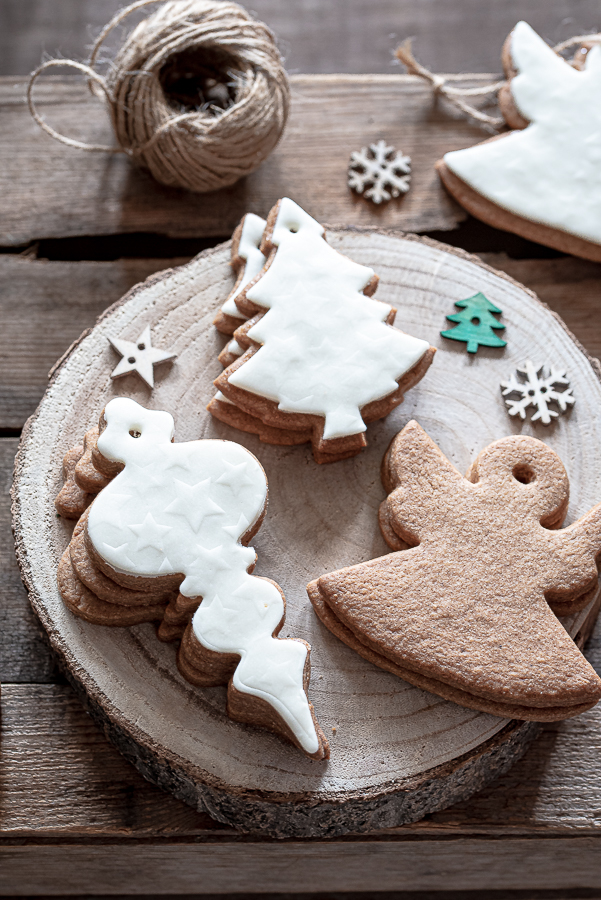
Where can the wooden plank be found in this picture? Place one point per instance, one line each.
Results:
(44, 307)
(50, 190)
(24, 652)
(570, 286)
(250, 867)
(348, 36)
(62, 778)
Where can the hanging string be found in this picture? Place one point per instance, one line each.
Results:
(211, 145)
(455, 96)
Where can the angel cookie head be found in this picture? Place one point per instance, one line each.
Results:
(167, 538)
(542, 180)
(466, 605)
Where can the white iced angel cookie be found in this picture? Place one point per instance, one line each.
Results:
(247, 261)
(323, 347)
(183, 509)
(542, 181)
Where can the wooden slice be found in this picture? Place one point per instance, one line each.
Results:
(397, 752)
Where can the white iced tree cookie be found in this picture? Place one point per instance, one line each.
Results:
(325, 358)
(543, 180)
(185, 509)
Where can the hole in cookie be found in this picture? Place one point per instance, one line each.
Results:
(135, 433)
(141, 346)
(523, 473)
(475, 320)
(131, 360)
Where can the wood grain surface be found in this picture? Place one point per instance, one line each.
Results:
(45, 306)
(381, 748)
(333, 36)
(50, 190)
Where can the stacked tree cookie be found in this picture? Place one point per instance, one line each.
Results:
(314, 358)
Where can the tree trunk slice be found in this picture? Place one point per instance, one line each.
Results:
(397, 752)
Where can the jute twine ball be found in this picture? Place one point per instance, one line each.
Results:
(197, 93)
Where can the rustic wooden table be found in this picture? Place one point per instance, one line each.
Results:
(76, 231)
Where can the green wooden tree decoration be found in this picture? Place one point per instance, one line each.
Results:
(475, 323)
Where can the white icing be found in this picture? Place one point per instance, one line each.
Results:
(248, 249)
(550, 172)
(182, 509)
(235, 349)
(326, 348)
(222, 398)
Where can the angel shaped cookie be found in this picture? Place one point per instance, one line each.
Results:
(166, 540)
(467, 610)
(542, 180)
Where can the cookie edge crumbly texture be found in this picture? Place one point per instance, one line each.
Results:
(447, 692)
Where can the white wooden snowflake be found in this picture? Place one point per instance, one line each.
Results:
(377, 168)
(539, 391)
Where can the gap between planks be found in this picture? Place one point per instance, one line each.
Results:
(53, 191)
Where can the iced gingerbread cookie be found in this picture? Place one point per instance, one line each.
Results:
(247, 261)
(321, 359)
(466, 606)
(166, 540)
(542, 180)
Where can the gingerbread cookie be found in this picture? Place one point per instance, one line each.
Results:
(320, 355)
(247, 261)
(541, 180)
(467, 610)
(166, 541)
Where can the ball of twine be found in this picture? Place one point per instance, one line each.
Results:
(197, 93)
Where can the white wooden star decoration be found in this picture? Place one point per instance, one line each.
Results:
(139, 356)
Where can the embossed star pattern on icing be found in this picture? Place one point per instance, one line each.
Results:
(150, 534)
(235, 475)
(193, 502)
(139, 356)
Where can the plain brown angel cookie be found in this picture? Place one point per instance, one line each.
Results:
(467, 610)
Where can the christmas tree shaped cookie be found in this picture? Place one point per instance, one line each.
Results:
(166, 540)
(543, 179)
(476, 324)
(321, 358)
(467, 610)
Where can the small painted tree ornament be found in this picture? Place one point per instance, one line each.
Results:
(379, 172)
(476, 324)
(539, 391)
(139, 356)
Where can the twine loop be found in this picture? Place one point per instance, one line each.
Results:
(197, 93)
(455, 96)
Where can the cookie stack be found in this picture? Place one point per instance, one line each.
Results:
(468, 610)
(166, 541)
(88, 585)
(314, 358)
